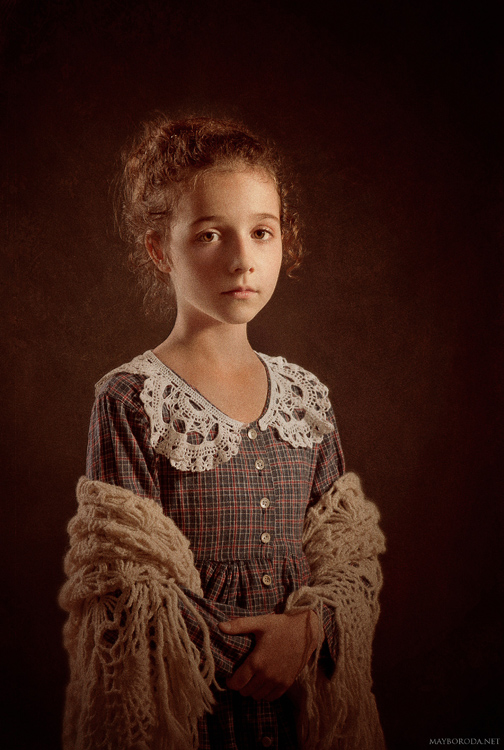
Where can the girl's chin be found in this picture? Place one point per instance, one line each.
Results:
(228, 310)
(238, 319)
(239, 313)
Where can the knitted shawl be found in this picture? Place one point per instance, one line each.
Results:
(137, 682)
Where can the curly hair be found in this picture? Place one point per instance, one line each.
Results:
(163, 160)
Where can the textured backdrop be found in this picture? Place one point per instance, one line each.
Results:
(391, 114)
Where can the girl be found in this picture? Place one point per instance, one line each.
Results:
(222, 576)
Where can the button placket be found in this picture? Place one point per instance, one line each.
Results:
(264, 501)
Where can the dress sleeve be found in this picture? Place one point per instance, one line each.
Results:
(330, 461)
(330, 467)
(118, 450)
(119, 453)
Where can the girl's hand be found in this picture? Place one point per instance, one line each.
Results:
(284, 643)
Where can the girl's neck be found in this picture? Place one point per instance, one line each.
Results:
(219, 362)
(220, 347)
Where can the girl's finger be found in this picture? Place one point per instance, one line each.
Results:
(231, 626)
(243, 625)
(241, 677)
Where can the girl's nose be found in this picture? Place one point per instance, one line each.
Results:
(242, 260)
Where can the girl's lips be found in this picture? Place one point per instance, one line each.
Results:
(240, 293)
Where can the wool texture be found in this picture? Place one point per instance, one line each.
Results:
(342, 541)
(137, 682)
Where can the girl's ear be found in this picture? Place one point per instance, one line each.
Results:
(154, 247)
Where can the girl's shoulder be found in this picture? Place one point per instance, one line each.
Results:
(128, 376)
(299, 408)
(296, 376)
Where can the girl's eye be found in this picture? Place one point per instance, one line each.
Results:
(207, 236)
(262, 234)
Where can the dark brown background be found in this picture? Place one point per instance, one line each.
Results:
(391, 113)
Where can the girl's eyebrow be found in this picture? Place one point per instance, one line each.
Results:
(268, 216)
(213, 217)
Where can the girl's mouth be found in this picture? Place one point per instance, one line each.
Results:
(240, 292)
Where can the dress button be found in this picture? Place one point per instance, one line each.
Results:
(267, 580)
(266, 742)
(264, 502)
(252, 433)
(265, 537)
(259, 464)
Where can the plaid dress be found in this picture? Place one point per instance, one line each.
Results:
(244, 519)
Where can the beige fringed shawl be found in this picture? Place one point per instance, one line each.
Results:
(139, 683)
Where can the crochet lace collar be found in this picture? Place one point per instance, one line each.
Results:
(196, 436)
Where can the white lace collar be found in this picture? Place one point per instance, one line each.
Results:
(196, 436)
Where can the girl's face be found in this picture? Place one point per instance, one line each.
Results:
(224, 248)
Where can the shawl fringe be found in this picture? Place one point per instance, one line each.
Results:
(137, 682)
(341, 540)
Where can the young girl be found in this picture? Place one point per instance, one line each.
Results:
(222, 576)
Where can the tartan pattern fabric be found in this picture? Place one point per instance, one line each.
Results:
(244, 520)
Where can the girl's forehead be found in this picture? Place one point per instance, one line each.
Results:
(232, 187)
